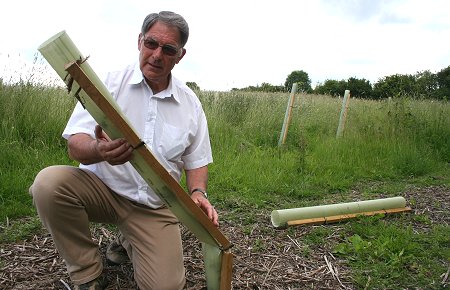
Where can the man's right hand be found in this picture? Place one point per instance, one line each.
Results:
(87, 150)
(114, 152)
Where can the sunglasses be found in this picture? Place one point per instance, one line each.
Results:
(167, 49)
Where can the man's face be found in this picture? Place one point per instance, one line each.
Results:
(156, 63)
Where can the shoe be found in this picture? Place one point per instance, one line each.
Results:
(116, 253)
(99, 283)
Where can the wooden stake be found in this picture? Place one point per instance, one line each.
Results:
(343, 116)
(338, 218)
(226, 272)
(287, 116)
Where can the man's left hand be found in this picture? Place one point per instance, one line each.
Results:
(201, 201)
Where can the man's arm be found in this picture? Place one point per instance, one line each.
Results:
(198, 179)
(88, 150)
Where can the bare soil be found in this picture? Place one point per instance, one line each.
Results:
(264, 257)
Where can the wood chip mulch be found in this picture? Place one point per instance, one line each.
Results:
(264, 257)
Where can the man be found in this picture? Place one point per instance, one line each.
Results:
(105, 187)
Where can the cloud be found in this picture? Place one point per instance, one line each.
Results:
(392, 18)
(355, 10)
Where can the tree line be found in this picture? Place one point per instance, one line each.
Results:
(424, 84)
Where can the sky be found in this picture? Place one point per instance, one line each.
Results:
(236, 44)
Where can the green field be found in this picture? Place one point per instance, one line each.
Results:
(387, 146)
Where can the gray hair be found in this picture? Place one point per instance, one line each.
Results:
(169, 18)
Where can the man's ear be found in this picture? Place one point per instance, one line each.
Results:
(139, 41)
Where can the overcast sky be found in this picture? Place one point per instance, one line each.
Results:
(235, 44)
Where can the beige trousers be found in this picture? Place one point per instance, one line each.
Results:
(68, 198)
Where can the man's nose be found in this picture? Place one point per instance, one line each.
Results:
(158, 52)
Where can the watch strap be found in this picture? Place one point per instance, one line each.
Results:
(200, 190)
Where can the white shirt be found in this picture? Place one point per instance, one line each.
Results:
(172, 123)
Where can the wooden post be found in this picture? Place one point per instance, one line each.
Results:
(343, 217)
(287, 116)
(226, 273)
(343, 116)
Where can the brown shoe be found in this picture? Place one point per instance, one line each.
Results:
(116, 253)
(99, 283)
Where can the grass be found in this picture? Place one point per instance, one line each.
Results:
(387, 146)
(374, 147)
(384, 254)
(32, 119)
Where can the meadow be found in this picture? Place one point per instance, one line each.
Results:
(388, 146)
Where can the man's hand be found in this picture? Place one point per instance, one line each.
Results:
(114, 152)
(87, 150)
(204, 204)
(198, 178)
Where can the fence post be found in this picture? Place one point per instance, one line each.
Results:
(343, 116)
(287, 116)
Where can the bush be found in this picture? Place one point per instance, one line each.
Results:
(394, 86)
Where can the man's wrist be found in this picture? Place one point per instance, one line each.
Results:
(201, 191)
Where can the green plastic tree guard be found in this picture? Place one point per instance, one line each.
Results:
(280, 218)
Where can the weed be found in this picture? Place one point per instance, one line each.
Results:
(19, 229)
(317, 235)
(259, 245)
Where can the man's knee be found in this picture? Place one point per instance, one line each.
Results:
(48, 183)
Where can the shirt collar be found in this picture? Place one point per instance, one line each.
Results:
(170, 91)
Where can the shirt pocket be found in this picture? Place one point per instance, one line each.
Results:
(173, 142)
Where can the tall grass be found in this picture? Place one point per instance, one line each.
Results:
(383, 140)
(32, 118)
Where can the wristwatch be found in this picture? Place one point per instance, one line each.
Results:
(200, 190)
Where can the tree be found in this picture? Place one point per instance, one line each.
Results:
(264, 87)
(193, 86)
(300, 77)
(426, 84)
(268, 88)
(443, 80)
(395, 86)
(331, 87)
(359, 88)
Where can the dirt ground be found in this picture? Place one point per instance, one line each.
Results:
(264, 257)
